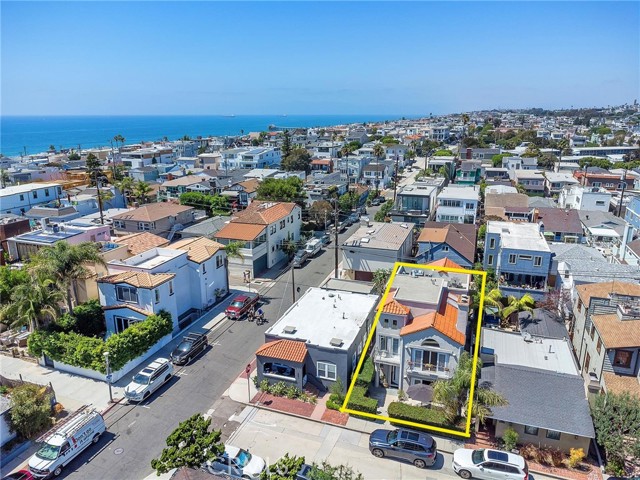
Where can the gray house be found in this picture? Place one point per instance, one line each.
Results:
(318, 339)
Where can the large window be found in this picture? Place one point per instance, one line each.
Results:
(553, 435)
(622, 358)
(531, 430)
(146, 226)
(273, 368)
(219, 261)
(328, 371)
(122, 323)
(125, 293)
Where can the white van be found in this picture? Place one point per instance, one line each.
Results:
(313, 246)
(65, 441)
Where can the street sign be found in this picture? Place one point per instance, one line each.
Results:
(248, 369)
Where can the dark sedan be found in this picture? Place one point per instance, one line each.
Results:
(191, 346)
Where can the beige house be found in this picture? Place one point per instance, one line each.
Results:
(159, 218)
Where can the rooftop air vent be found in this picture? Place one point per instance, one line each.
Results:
(336, 342)
(527, 337)
(404, 225)
(289, 330)
(365, 240)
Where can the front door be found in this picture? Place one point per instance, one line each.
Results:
(394, 376)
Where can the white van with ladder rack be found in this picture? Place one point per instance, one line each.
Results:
(65, 441)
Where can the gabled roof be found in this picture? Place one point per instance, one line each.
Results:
(153, 212)
(393, 307)
(199, 249)
(444, 262)
(138, 279)
(560, 220)
(185, 181)
(141, 242)
(443, 323)
(240, 231)
(617, 333)
(459, 236)
(290, 350)
(250, 185)
(603, 289)
(264, 213)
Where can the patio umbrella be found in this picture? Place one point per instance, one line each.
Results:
(421, 393)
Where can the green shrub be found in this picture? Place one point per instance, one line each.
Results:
(360, 402)
(265, 386)
(366, 375)
(510, 439)
(292, 392)
(278, 389)
(412, 413)
(88, 352)
(30, 409)
(334, 402)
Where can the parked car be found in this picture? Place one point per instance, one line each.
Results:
(415, 447)
(19, 475)
(148, 380)
(300, 258)
(238, 463)
(313, 246)
(489, 464)
(325, 238)
(190, 347)
(354, 218)
(376, 201)
(241, 305)
(65, 441)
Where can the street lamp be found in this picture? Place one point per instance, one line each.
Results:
(106, 359)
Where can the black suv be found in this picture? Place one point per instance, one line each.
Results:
(190, 347)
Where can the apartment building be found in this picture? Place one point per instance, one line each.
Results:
(458, 204)
(18, 199)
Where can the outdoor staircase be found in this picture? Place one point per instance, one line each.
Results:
(484, 440)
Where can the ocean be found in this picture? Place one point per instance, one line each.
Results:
(34, 134)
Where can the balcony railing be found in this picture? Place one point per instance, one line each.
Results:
(428, 368)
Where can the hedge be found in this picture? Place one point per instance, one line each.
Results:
(366, 375)
(412, 413)
(334, 402)
(88, 352)
(360, 402)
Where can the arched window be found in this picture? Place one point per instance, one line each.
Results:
(430, 343)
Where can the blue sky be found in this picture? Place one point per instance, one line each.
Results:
(317, 58)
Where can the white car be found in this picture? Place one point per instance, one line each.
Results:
(149, 379)
(238, 463)
(488, 464)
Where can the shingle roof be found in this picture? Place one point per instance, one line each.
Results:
(264, 213)
(141, 242)
(129, 307)
(393, 307)
(540, 398)
(199, 249)
(152, 212)
(460, 236)
(617, 333)
(560, 220)
(185, 181)
(444, 323)
(621, 383)
(603, 289)
(138, 279)
(542, 323)
(290, 350)
(250, 185)
(240, 231)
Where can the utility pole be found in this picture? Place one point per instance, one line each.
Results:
(335, 244)
(395, 180)
(624, 184)
(99, 198)
(293, 283)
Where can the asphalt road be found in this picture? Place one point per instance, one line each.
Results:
(136, 433)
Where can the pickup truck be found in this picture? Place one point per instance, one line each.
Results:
(241, 305)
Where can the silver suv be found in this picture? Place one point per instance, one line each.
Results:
(415, 447)
(148, 380)
(489, 464)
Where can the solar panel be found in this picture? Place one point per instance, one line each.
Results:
(495, 455)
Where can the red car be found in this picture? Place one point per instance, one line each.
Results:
(19, 475)
(241, 305)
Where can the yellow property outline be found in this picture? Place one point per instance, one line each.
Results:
(467, 432)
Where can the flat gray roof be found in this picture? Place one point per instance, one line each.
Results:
(519, 236)
(383, 236)
(321, 315)
(461, 192)
(419, 289)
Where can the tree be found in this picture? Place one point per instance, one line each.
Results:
(286, 148)
(380, 279)
(547, 161)
(378, 151)
(320, 211)
(141, 191)
(482, 231)
(299, 159)
(493, 301)
(556, 302)
(286, 468)
(594, 162)
(93, 164)
(189, 445)
(453, 394)
(381, 214)
(526, 303)
(616, 418)
(126, 186)
(443, 153)
(232, 249)
(10, 279)
(326, 471)
(532, 151)
(281, 190)
(496, 160)
(4, 178)
(52, 148)
(347, 201)
(65, 264)
(33, 303)
(73, 156)
(30, 409)
(443, 172)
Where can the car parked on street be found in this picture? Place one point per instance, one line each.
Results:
(313, 246)
(241, 305)
(300, 258)
(377, 201)
(149, 379)
(403, 444)
(488, 464)
(325, 238)
(237, 462)
(189, 348)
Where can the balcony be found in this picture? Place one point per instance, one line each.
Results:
(387, 357)
(428, 370)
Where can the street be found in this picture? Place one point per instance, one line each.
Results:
(136, 433)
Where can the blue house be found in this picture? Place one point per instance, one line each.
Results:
(520, 257)
(440, 240)
(632, 215)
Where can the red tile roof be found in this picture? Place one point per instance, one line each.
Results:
(129, 307)
(444, 262)
(394, 307)
(264, 213)
(290, 350)
(240, 231)
(445, 324)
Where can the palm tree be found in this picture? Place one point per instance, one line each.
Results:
(33, 303)
(378, 152)
(126, 187)
(380, 279)
(526, 303)
(65, 264)
(493, 301)
(453, 394)
(141, 190)
(232, 249)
